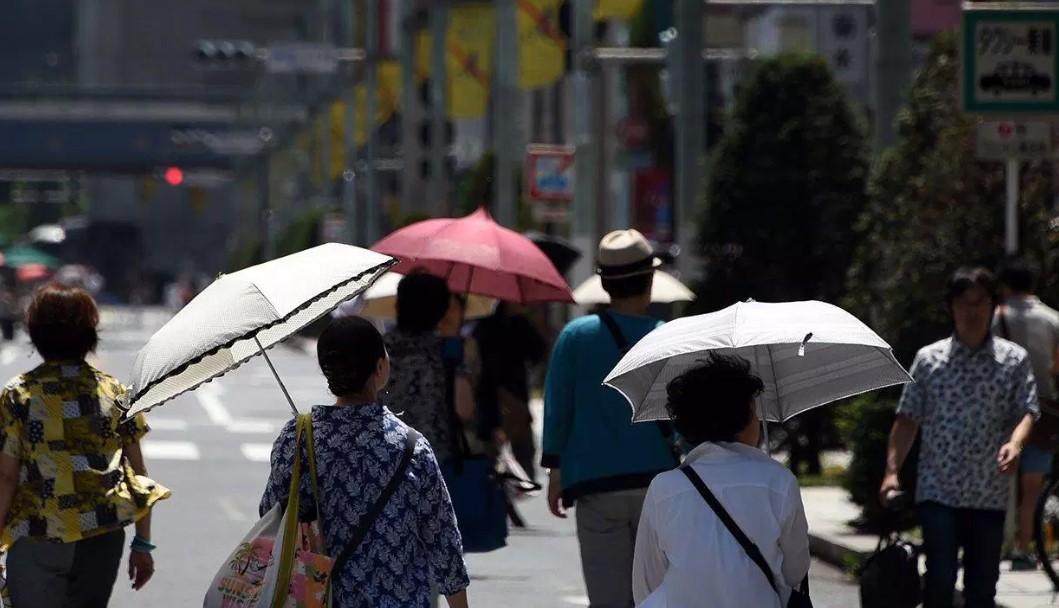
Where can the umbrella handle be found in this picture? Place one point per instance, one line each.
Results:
(276, 375)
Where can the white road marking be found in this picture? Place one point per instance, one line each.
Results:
(257, 452)
(8, 355)
(167, 424)
(255, 425)
(575, 600)
(170, 450)
(209, 397)
(229, 508)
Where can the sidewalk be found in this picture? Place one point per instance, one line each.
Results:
(832, 541)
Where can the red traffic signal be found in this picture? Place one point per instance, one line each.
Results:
(173, 176)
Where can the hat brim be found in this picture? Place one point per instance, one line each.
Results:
(624, 272)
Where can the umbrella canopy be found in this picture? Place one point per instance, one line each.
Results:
(665, 289)
(380, 301)
(560, 251)
(241, 314)
(477, 255)
(24, 255)
(807, 354)
(32, 272)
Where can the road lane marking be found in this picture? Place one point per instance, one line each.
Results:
(209, 398)
(575, 600)
(255, 425)
(229, 508)
(170, 450)
(167, 424)
(257, 452)
(8, 355)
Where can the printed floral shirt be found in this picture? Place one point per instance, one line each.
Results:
(413, 546)
(62, 422)
(967, 403)
(417, 388)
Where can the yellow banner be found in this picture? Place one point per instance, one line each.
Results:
(387, 100)
(616, 9)
(542, 47)
(469, 47)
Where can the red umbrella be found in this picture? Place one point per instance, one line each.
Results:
(477, 255)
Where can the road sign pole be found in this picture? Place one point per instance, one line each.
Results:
(1011, 215)
(371, 182)
(584, 225)
(504, 129)
(691, 136)
(349, 184)
(438, 102)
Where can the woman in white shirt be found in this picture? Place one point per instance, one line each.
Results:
(685, 556)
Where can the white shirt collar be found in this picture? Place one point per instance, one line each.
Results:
(723, 450)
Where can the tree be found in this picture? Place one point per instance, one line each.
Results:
(932, 207)
(788, 180)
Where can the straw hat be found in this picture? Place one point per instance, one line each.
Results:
(625, 253)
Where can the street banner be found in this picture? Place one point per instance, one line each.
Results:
(616, 9)
(542, 46)
(469, 42)
(387, 99)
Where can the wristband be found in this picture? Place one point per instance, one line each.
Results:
(141, 545)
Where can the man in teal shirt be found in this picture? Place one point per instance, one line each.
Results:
(595, 455)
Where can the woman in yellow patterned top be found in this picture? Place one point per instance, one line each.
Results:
(72, 474)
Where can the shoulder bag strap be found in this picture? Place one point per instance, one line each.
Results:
(369, 518)
(748, 545)
(615, 332)
(664, 426)
(310, 448)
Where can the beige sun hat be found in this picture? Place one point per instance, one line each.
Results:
(625, 253)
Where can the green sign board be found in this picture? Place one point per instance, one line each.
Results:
(1010, 61)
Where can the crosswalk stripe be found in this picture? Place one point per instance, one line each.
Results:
(8, 355)
(167, 424)
(251, 425)
(257, 452)
(208, 396)
(169, 450)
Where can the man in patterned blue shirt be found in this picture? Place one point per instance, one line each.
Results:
(974, 401)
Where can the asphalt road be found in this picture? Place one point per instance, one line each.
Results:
(212, 448)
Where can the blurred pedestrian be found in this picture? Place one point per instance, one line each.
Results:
(72, 474)
(973, 401)
(682, 545)
(596, 457)
(413, 547)
(509, 345)
(419, 389)
(8, 312)
(1028, 322)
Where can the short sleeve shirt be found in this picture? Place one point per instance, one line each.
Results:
(1034, 326)
(62, 422)
(967, 403)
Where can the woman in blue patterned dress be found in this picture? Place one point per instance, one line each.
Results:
(414, 545)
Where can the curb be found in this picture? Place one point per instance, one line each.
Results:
(844, 558)
(834, 554)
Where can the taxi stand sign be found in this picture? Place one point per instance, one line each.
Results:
(1010, 59)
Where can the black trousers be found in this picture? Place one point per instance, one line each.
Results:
(64, 575)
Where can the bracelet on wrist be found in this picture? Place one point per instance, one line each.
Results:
(142, 545)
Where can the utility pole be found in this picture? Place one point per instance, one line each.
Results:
(584, 225)
(691, 132)
(893, 66)
(324, 24)
(410, 165)
(371, 182)
(505, 130)
(438, 102)
(349, 175)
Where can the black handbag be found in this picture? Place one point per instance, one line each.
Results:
(889, 578)
(799, 596)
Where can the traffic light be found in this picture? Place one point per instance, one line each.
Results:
(174, 176)
(229, 53)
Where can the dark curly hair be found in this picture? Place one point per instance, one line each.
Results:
(348, 351)
(713, 401)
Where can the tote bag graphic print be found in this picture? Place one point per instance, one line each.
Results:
(279, 564)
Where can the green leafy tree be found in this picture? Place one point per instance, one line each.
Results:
(932, 207)
(787, 182)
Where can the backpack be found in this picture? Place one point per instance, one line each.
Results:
(889, 578)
